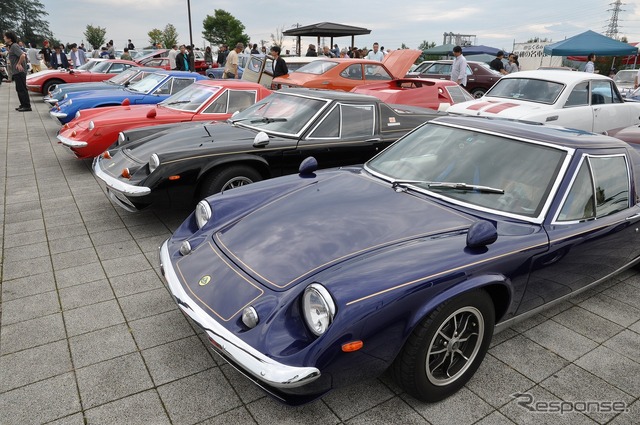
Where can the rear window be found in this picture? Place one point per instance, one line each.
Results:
(317, 67)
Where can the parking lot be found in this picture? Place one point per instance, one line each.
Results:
(89, 333)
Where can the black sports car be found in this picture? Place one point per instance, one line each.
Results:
(270, 138)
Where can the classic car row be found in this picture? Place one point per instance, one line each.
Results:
(463, 226)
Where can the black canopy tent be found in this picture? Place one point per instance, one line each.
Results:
(325, 29)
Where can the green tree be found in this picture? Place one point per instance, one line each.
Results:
(169, 36)
(26, 18)
(155, 36)
(95, 36)
(424, 46)
(223, 27)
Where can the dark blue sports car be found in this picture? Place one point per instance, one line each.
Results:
(410, 262)
(152, 89)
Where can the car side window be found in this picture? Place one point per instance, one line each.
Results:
(352, 72)
(440, 69)
(357, 120)
(239, 100)
(116, 68)
(469, 71)
(164, 88)
(600, 188)
(180, 83)
(218, 106)
(376, 72)
(579, 96)
(601, 93)
(329, 127)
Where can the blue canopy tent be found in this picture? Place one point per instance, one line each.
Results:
(479, 50)
(589, 42)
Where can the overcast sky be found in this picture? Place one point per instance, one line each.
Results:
(496, 23)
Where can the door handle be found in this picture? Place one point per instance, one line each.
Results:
(633, 217)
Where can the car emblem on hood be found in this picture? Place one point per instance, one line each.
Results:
(204, 280)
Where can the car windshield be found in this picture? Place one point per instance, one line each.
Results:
(533, 90)
(123, 77)
(625, 76)
(281, 113)
(317, 67)
(147, 84)
(89, 65)
(190, 98)
(474, 168)
(102, 67)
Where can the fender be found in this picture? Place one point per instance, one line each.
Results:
(476, 282)
(244, 158)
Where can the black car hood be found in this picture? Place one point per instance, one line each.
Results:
(309, 229)
(191, 140)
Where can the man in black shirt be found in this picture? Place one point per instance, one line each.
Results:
(497, 64)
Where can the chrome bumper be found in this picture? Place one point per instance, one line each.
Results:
(262, 368)
(50, 100)
(71, 143)
(58, 114)
(117, 185)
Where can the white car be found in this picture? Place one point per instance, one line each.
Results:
(625, 81)
(580, 100)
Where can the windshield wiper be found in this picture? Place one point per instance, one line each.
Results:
(268, 120)
(450, 185)
(177, 102)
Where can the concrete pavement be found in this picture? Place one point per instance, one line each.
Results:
(89, 333)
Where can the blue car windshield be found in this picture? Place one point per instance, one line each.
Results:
(147, 84)
(462, 165)
(281, 113)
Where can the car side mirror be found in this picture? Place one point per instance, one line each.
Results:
(308, 166)
(261, 140)
(481, 233)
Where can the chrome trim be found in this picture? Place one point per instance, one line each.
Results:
(58, 114)
(117, 185)
(125, 205)
(50, 100)
(71, 143)
(250, 360)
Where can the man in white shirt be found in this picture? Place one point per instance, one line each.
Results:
(172, 57)
(589, 67)
(459, 67)
(375, 54)
(78, 56)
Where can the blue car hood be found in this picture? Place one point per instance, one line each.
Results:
(322, 224)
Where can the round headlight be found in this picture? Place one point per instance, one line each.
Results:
(154, 162)
(203, 213)
(318, 308)
(66, 95)
(121, 137)
(250, 317)
(78, 114)
(70, 102)
(91, 125)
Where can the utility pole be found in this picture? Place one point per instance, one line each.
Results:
(190, 32)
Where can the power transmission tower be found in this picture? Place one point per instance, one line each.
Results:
(612, 28)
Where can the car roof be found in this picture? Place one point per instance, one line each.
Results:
(561, 136)
(331, 95)
(560, 77)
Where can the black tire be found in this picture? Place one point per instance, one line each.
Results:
(47, 85)
(478, 93)
(442, 377)
(227, 178)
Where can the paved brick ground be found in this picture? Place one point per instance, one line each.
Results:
(89, 334)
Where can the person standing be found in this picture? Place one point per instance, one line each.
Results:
(311, 51)
(590, 66)
(130, 45)
(18, 64)
(173, 53)
(59, 59)
(497, 64)
(459, 67)
(33, 55)
(78, 57)
(375, 54)
(182, 59)
(111, 50)
(231, 67)
(254, 50)
(192, 58)
(208, 57)
(46, 53)
(512, 66)
(125, 55)
(222, 56)
(279, 66)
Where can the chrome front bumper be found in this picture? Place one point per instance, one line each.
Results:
(50, 100)
(58, 114)
(71, 143)
(117, 185)
(262, 368)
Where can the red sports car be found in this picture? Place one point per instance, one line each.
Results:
(90, 72)
(423, 92)
(208, 100)
(345, 74)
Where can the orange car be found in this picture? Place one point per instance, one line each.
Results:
(345, 74)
